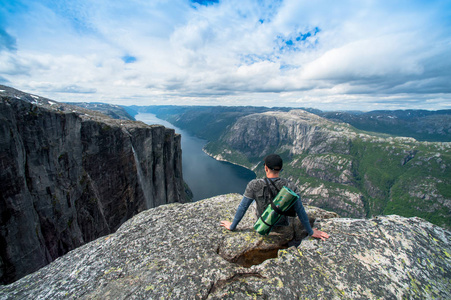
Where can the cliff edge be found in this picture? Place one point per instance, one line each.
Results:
(69, 175)
(179, 251)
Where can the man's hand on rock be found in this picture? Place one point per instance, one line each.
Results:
(319, 234)
(226, 224)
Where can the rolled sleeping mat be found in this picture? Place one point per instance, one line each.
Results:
(283, 201)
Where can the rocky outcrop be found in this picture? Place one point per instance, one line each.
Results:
(345, 202)
(70, 175)
(179, 251)
(339, 168)
(329, 167)
(296, 132)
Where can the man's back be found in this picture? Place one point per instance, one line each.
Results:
(263, 192)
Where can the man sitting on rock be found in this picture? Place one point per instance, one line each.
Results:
(258, 190)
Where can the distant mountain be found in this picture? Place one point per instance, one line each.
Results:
(113, 111)
(206, 122)
(339, 167)
(423, 125)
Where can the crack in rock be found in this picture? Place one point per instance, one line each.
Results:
(257, 256)
(220, 284)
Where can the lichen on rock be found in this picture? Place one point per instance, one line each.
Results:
(177, 251)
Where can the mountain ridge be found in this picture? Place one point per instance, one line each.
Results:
(344, 177)
(402, 123)
(423, 125)
(339, 168)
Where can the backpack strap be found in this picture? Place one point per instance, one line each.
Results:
(267, 180)
(273, 206)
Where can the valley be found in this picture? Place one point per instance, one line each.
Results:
(338, 167)
(71, 174)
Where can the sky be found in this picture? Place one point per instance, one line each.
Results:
(330, 55)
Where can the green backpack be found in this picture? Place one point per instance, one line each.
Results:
(279, 206)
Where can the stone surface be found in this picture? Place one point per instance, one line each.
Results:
(334, 199)
(69, 175)
(179, 251)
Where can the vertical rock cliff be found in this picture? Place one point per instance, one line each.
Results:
(70, 175)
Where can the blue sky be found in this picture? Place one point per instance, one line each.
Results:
(330, 55)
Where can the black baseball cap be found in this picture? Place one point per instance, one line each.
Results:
(274, 162)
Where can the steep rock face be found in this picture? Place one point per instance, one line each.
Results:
(70, 175)
(344, 202)
(339, 168)
(333, 168)
(296, 131)
(318, 147)
(179, 251)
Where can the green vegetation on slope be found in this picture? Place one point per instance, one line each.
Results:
(387, 175)
(393, 175)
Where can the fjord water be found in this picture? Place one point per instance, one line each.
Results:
(205, 176)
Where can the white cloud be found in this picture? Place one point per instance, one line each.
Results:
(373, 57)
(275, 52)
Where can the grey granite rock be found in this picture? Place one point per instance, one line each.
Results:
(69, 175)
(179, 251)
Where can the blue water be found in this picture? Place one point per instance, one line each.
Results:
(205, 176)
